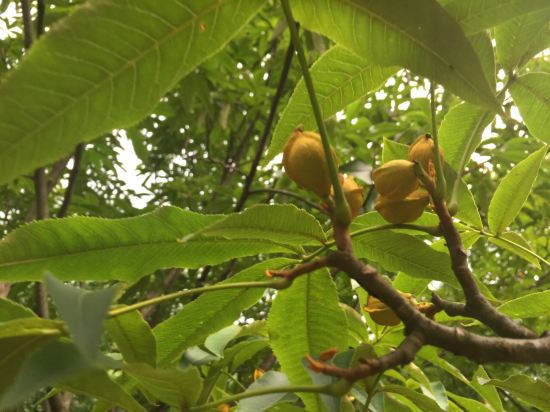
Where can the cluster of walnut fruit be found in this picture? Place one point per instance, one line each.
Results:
(401, 196)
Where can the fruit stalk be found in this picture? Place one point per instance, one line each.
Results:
(342, 214)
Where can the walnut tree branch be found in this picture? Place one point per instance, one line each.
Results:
(402, 355)
(480, 349)
(304, 268)
(420, 328)
(477, 306)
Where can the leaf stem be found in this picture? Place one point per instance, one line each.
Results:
(523, 248)
(289, 194)
(432, 230)
(274, 284)
(440, 184)
(327, 389)
(342, 214)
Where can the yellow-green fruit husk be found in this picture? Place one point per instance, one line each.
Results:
(304, 162)
(422, 151)
(395, 180)
(404, 210)
(354, 194)
(382, 314)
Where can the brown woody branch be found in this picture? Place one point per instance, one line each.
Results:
(402, 355)
(476, 306)
(480, 349)
(289, 194)
(308, 267)
(419, 328)
(55, 403)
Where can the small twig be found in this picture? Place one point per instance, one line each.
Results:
(289, 194)
(402, 355)
(274, 284)
(372, 392)
(267, 129)
(450, 308)
(41, 197)
(40, 16)
(27, 24)
(307, 267)
(72, 180)
(487, 315)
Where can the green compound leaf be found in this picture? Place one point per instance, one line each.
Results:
(51, 364)
(528, 306)
(176, 387)
(513, 191)
(534, 392)
(469, 404)
(489, 393)
(394, 150)
(423, 39)
(285, 224)
(89, 248)
(306, 319)
(460, 133)
(19, 338)
(210, 312)
(100, 386)
(340, 77)
(516, 244)
(84, 312)
(11, 310)
(531, 94)
(133, 337)
(521, 38)
(476, 15)
(270, 379)
(105, 66)
(398, 252)
(424, 402)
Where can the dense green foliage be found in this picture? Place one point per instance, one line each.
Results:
(191, 87)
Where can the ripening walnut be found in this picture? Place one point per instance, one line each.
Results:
(382, 314)
(304, 162)
(395, 179)
(353, 192)
(422, 151)
(405, 210)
